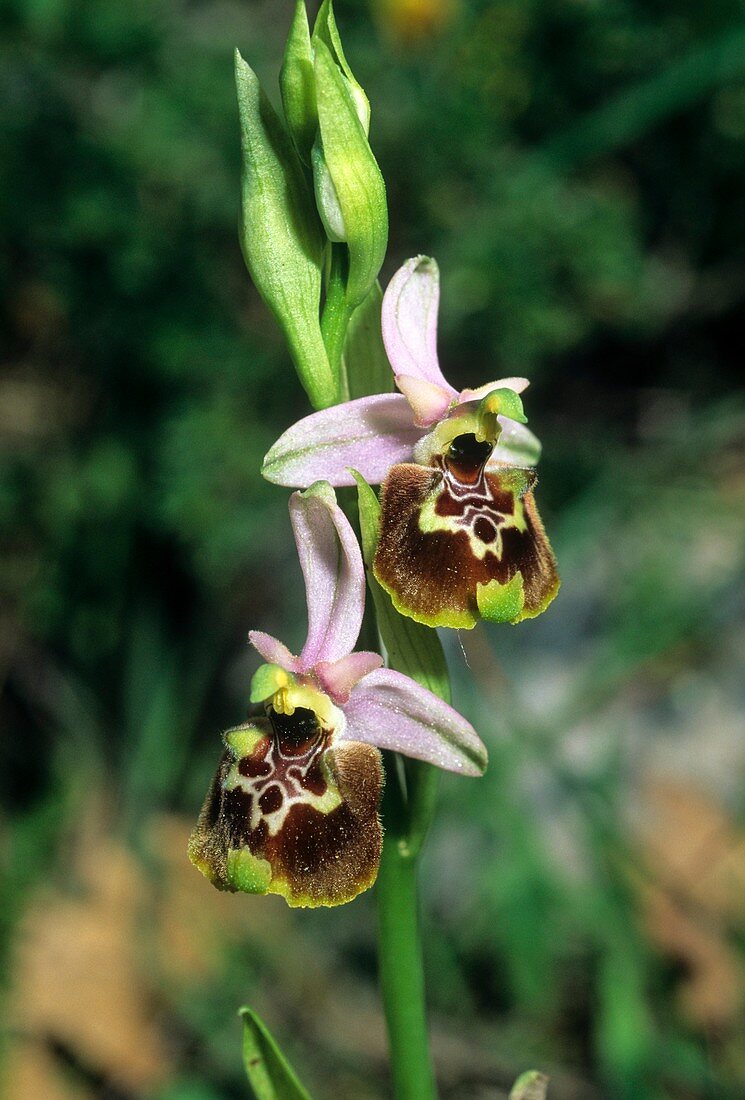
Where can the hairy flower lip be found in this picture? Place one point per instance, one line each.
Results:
(451, 552)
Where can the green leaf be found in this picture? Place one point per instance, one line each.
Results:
(270, 1074)
(530, 1086)
(412, 648)
(357, 181)
(297, 84)
(368, 369)
(280, 235)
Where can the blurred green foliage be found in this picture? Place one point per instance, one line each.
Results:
(578, 170)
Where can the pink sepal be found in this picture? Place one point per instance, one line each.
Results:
(370, 435)
(409, 321)
(334, 576)
(391, 711)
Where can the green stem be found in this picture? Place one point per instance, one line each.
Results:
(335, 316)
(408, 807)
(422, 784)
(400, 951)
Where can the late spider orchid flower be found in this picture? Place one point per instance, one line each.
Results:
(293, 808)
(460, 536)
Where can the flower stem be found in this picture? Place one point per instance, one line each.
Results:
(422, 783)
(400, 953)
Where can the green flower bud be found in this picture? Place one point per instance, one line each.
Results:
(327, 199)
(350, 191)
(297, 84)
(326, 31)
(280, 235)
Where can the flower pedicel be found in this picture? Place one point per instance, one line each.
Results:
(293, 808)
(460, 536)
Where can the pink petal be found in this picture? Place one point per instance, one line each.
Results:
(331, 562)
(428, 401)
(391, 711)
(516, 384)
(370, 434)
(272, 650)
(338, 679)
(409, 320)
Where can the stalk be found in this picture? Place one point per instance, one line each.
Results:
(408, 808)
(400, 951)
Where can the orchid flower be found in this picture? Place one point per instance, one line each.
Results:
(460, 537)
(293, 808)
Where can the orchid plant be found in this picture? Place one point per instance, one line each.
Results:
(303, 804)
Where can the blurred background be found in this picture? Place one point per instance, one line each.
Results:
(578, 169)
